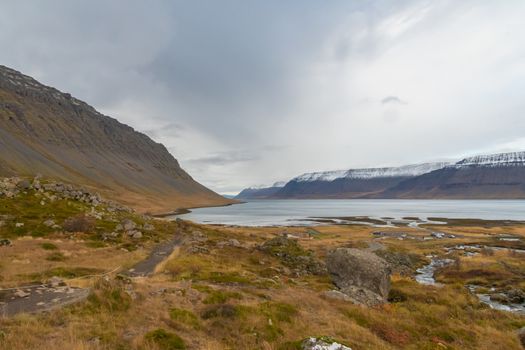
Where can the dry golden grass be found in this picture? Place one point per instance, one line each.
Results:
(242, 298)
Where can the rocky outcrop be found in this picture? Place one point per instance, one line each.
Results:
(50, 191)
(361, 275)
(292, 255)
(322, 343)
(43, 130)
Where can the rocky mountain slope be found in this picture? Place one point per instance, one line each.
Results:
(45, 131)
(498, 176)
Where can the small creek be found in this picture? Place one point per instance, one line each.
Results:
(425, 274)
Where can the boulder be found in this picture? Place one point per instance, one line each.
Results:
(23, 185)
(361, 275)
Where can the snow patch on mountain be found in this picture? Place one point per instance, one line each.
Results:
(370, 173)
(493, 160)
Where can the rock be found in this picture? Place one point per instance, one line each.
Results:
(521, 336)
(499, 298)
(229, 243)
(23, 185)
(322, 344)
(137, 235)
(119, 227)
(293, 255)
(148, 227)
(49, 223)
(361, 275)
(516, 296)
(336, 295)
(197, 249)
(55, 282)
(5, 243)
(128, 225)
(21, 294)
(19, 224)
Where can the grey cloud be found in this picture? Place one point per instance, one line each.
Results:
(291, 86)
(223, 158)
(171, 129)
(393, 100)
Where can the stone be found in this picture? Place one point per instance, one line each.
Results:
(5, 243)
(55, 282)
(19, 224)
(21, 294)
(49, 223)
(128, 225)
(361, 275)
(336, 295)
(136, 235)
(148, 227)
(322, 344)
(23, 185)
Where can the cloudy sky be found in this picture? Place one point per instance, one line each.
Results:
(246, 92)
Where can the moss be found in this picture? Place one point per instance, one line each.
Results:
(220, 297)
(184, 316)
(56, 256)
(49, 246)
(221, 310)
(165, 340)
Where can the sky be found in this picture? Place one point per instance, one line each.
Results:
(246, 92)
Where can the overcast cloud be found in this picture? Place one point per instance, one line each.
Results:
(251, 92)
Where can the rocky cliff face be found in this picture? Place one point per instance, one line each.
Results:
(43, 130)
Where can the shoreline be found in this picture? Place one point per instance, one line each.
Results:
(187, 210)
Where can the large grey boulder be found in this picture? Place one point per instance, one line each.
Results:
(361, 275)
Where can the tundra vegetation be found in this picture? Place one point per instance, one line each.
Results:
(248, 288)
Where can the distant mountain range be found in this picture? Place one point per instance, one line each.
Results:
(43, 130)
(498, 176)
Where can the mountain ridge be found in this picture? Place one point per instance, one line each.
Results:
(43, 130)
(495, 176)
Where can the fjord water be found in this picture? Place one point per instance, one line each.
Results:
(302, 212)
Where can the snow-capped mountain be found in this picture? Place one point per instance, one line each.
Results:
(494, 160)
(369, 173)
(497, 176)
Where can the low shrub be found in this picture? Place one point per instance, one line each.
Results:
(165, 340)
(79, 223)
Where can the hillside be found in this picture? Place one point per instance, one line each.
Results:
(44, 131)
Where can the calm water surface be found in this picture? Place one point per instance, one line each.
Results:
(301, 212)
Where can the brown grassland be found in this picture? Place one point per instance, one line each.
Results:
(210, 294)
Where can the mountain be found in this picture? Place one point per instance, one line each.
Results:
(261, 192)
(43, 130)
(498, 176)
(352, 183)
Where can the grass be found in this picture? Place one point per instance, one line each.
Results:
(237, 298)
(56, 256)
(165, 340)
(49, 246)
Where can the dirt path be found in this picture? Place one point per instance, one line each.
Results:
(39, 298)
(159, 254)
